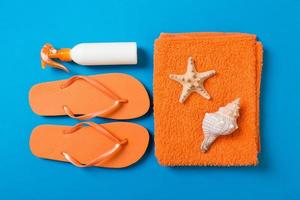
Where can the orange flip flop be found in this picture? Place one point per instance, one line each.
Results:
(111, 145)
(115, 96)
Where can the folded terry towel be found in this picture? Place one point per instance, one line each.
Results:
(237, 59)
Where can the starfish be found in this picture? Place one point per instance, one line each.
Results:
(192, 81)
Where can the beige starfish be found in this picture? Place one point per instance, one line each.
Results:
(192, 81)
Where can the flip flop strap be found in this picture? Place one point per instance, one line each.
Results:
(117, 100)
(100, 157)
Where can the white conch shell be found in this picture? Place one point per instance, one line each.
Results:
(222, 122)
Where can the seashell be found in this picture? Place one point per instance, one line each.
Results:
(222, 122)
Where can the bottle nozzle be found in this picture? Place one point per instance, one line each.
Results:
(48, 53)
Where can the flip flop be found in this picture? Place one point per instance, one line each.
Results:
(114, 96)
(111, 145)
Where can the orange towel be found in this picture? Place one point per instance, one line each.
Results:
(237, 59)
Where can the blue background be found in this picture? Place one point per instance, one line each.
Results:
(26, 25)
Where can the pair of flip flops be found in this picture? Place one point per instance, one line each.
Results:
(112, 145)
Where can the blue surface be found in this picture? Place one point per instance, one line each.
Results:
(26, 25)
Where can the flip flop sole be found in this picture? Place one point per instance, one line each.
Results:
(49, 99)
(49, 141)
